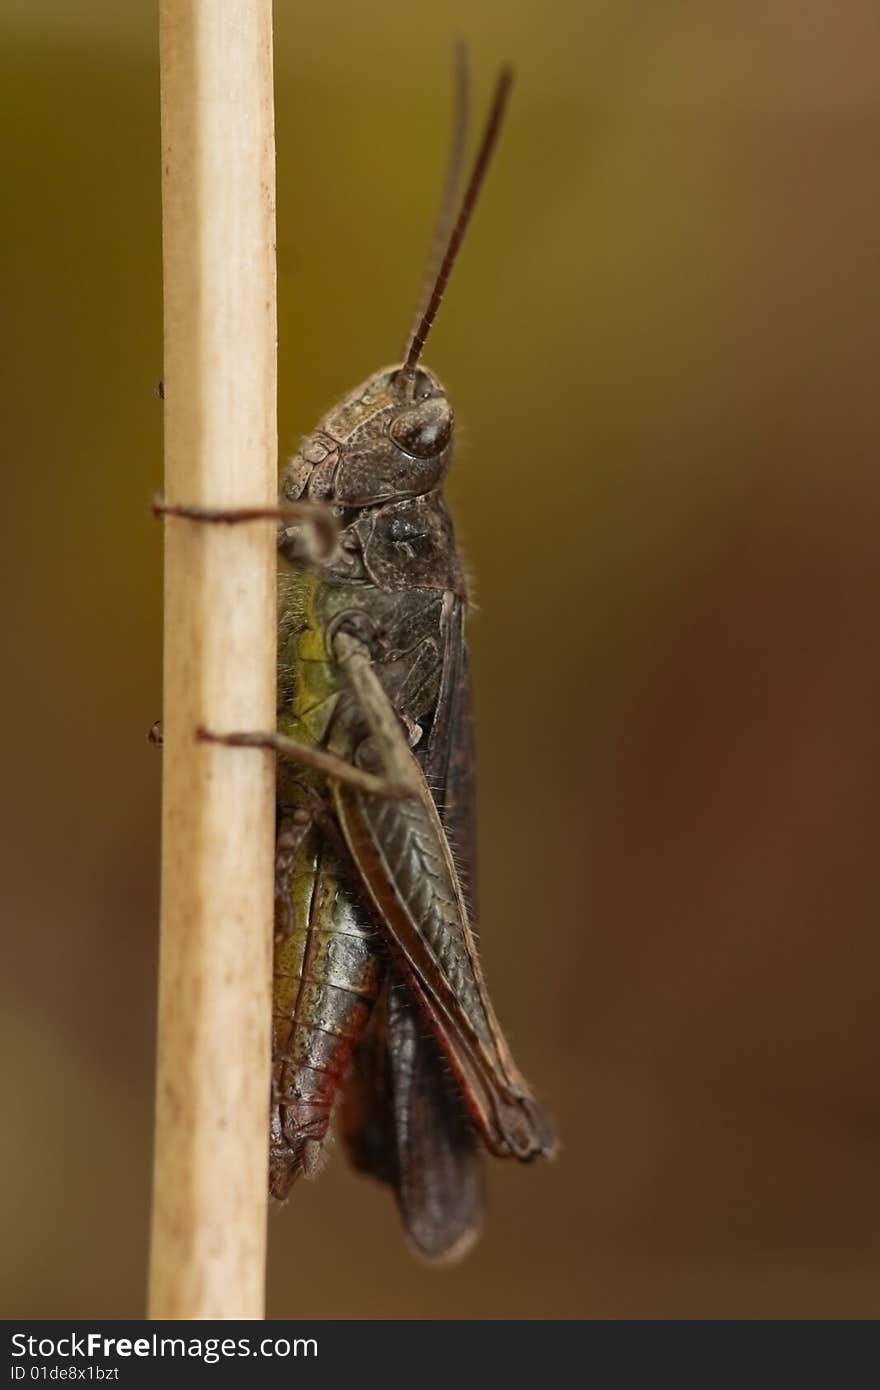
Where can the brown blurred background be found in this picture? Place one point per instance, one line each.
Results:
(662, 341)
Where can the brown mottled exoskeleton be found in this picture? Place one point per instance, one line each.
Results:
(378, 992)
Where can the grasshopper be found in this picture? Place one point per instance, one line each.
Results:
(380, 1008)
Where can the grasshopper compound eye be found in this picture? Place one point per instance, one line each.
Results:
(423, 430)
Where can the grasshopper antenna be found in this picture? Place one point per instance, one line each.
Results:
(478, 174)
(461, 101)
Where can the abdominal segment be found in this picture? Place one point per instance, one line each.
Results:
(327, 974)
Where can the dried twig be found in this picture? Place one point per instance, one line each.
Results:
(209, 1214)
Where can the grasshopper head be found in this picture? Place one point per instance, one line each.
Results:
(390, 438)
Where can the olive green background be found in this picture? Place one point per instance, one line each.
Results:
(662, 345)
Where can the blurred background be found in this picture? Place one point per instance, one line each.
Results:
(662, 344)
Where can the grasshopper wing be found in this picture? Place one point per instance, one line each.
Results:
(403, 1121)
(403, 856)
(402, 1117)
